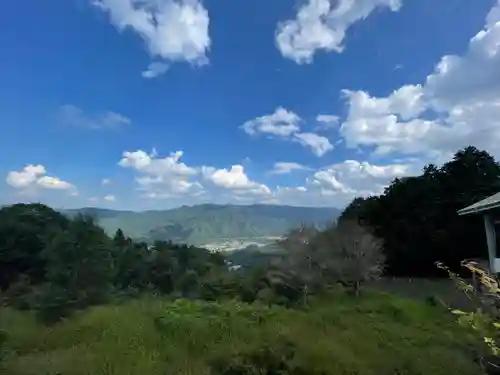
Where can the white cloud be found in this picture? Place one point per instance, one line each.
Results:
(281, 123)
(322, 25)
(285, 124)
(458, 105)
(28, 176)
(163, 177)
(173, 30)
(106, 181)
(318, 144)
(287, 167)
(327, 122)
(32, 177)
(155, 69)
(337, 184)
(167, 178)
(473, 77)
(49, 182)
(110, 198)
(354, 178)
(234, 179)
(73, 116)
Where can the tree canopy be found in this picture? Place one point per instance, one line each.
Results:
(417, 216)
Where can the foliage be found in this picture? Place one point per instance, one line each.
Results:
(80, 270)
(25, 231)
(375, 334)
(484, 316)
(57, 265)
(270, 359)
(253, 256)
(417, 218)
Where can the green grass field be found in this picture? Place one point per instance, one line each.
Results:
(375, 334)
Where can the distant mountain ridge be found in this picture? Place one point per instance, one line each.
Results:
(200, 224)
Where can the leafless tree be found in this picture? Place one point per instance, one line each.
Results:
(299, 261)
(352, 255)
(348, 254)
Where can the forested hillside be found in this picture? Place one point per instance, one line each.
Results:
(203, 223)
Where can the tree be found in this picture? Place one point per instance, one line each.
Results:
(417, 216)
(120, 240)
(133, 263)
(163, 269)
(80, 269)
(298, 268)
(348, 254)
(351, 255)
(25, 231)
(359, 210)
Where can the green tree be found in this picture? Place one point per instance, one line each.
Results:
(133, 263)
(25, 230)
(163, 269)
(80, 269)
(417, 216)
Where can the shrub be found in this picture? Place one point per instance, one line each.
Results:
(266, 359)
(484, 318)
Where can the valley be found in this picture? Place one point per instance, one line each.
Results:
(240, 243)
(215, 227)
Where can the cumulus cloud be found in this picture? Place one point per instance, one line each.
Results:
(161, 177)
(318, 144)
(457, 105)
(168, 178)
(234, 179)
(322, 25)
(106, 181)
(71, 115)
(337, 184)
(155, 69)
(110, 198)
(327, 122)
(173, 30)
(33, 177)
(287, 167)
(357, 178)
(281, 123)
(285, 125)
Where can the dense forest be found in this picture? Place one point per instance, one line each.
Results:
(417, 216)
(55, 266)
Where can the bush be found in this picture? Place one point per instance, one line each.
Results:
(20, 294)
(3, 340)
(484, 317)
(54, 303)
(266, 359)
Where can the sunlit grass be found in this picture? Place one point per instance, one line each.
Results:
(374, 334)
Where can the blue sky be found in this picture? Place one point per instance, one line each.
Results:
(157, 103)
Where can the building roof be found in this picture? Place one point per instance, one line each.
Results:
(482, 206)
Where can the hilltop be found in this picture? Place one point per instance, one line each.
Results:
(202, 224)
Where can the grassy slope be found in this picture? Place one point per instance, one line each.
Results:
(198, 224)
(376, 334)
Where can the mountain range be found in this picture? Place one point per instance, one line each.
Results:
(201, 224)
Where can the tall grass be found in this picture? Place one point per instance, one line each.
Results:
(375, 334)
